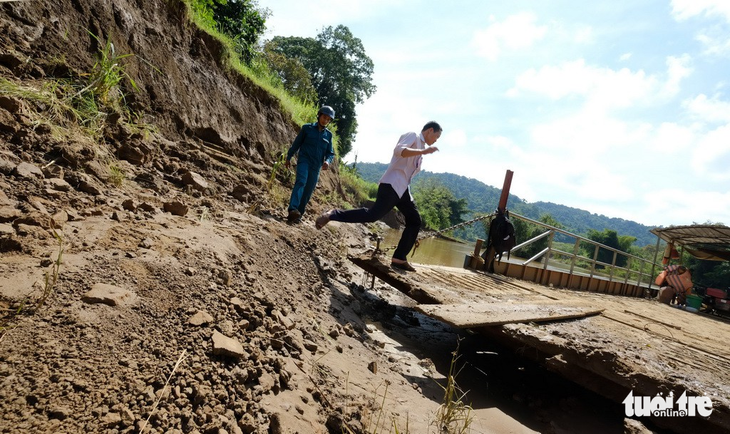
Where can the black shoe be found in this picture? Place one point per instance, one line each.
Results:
(294, 216)
(404, 266)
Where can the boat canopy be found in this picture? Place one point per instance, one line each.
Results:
(710, 242)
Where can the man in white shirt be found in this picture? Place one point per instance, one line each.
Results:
(394, 191)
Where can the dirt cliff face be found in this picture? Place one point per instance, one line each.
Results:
(183, 88)
(174, 84)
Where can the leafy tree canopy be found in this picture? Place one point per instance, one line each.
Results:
(339, 69)
(438, 207)
(291, 74)
(244, 22)
(611, 239)
(241, 20)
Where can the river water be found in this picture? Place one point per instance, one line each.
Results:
(431, 251)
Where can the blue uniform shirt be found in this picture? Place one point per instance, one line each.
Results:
(313, 145)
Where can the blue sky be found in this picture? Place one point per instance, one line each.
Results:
(619, 108)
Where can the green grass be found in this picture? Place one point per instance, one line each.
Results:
(257, 72)
(106, 76)
(116, 175)
(56, 105)
(357, 189)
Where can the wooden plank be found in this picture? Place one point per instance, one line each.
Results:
(394, 278)
(492, 314)
(653, 319)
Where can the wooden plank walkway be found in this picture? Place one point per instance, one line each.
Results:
(617, 345)
(491, 314)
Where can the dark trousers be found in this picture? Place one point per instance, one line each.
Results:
(386, 200)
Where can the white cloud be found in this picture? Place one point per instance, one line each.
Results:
(604, 88)
(456, 138)
(685, 207)
(713, 36)
(671, 138)
(678, 68)
(601, 87)
(711, 156)
(715, 43)
(555, 82)
(685, 9)
(307, 18)
(517, 32)
(708, 109)
(584, 35)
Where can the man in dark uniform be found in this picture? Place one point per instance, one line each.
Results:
(314, 147)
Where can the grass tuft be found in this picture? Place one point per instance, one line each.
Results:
(454, 416)
(51, 277)
(116, 175)
(106, 75)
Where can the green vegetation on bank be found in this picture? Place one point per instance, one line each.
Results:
(240, 53)
(438, 206)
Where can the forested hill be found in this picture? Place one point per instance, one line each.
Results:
(482, 198)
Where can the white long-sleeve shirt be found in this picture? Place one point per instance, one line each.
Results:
(401, 170)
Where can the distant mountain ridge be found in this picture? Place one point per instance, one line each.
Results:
(482, 198)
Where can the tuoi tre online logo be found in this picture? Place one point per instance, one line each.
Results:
(661, 406)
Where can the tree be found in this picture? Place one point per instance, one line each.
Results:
(438, 207)
(340, 71)
(611, 239)
(714, 274)
(525, 231)
(459, 207)
(243, 22)
(719, 276)
(290, 72)
(204, 10)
